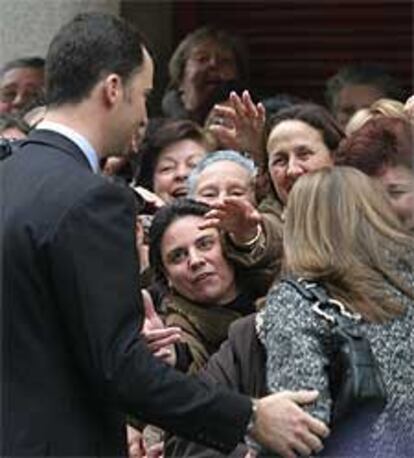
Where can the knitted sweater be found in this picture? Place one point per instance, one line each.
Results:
(297, 348)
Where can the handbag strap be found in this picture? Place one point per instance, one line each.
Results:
(322, 303)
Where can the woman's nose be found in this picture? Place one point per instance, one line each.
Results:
(195, 259)
(182, 172)
(294, 168)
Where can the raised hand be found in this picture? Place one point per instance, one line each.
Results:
(243, 125)
(236, 216)
(160, 338)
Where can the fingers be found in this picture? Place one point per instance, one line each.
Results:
(217, 212)
(164, 343)
(232, 214)
(149, 196)
(210, 222)
(238, 204)
(240, 207)
(158, 338)
(250, 108)
(301, 448)
(311, 442)
(302, 396)
(167, 355)
(317, 426)
(219, 219)
(238, 105)
(304, 441)
(148, 305)
(230, 204)
(307, 397)
(226, 112)
(245, 107)
(164, 354)
(285, 428)
(261, 112)
(287, 453)
(226, 136)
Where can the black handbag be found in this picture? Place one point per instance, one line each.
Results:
(355, 381)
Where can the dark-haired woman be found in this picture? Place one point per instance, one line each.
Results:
(204, 290)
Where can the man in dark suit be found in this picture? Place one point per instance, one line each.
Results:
(73, 363)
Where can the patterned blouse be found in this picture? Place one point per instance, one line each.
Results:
(296, 342)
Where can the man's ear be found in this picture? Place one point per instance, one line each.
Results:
(112, 89)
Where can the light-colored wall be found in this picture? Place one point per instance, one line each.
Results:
(27, 26)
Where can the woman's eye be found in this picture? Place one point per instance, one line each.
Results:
(166, 169)
(278, 162)
(201, 58)
(304, 154)
(176, 256)
(205, 243)
(7, 96)
(396, 193)
(237, 193)
(208, 194)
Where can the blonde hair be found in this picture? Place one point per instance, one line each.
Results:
(409, 108)
(338, 228)
(383, 107)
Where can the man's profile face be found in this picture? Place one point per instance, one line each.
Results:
(132, 114)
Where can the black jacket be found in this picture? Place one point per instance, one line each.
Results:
(73, 363)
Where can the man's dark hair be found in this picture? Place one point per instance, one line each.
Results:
(35, 62)
(87, 49)
(164, 217)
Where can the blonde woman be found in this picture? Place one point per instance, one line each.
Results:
(341, 232)
(383, 107)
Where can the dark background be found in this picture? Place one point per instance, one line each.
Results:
(295, 45)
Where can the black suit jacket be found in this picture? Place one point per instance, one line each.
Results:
(73, 363)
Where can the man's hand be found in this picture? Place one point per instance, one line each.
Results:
(160, 338)
(283, 427)
(236, 216)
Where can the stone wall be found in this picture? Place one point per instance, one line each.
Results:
(27, 26)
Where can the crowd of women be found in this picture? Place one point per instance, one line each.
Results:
(234, 196)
